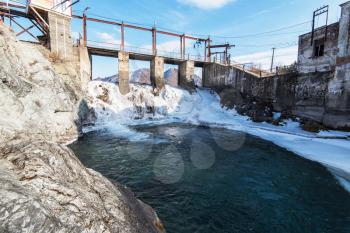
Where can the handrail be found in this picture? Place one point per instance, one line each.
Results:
(141, 50)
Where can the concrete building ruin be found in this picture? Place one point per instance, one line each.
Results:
(322, 49)
(54, 19)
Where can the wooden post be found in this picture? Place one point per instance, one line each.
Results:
(122, 34)
(84, 30)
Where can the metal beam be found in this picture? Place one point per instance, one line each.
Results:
(122, 35)
(154, 41)
(137, 27)
(39, 28)
(316, 13)
(84, 31)
(2, 4)
(41, 18)
(25, 30)
(228, 46)
(4, 11)
(181, 47)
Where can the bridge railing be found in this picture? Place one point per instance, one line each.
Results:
(103, 45)
(256, 69)
(144, 51)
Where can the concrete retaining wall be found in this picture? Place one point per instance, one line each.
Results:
(321, 97)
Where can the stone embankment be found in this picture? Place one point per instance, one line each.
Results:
(43, 186)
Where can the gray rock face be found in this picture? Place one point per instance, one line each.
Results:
(45, 188)
(141, 76)
(34, 100)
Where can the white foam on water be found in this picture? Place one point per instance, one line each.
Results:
(116, 112)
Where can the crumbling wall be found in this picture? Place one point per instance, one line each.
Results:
(307, 62)
(318, 96)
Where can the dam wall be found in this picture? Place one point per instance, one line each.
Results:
(322, 97)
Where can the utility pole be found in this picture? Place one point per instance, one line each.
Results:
(273, 58)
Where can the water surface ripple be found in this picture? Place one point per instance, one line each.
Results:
(215, 180)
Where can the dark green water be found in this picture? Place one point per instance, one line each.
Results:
(215, 180)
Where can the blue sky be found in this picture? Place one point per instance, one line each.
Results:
(218, 18)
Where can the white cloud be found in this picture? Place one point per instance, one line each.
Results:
(206, 4)
(284, 56)
(108, 38)
(172, 46)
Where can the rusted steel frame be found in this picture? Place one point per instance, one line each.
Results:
(84, 31)
(205, 50)
(25, 30)
(6, 14)
(39, 28)
(181, 47)
(209, 49)
(137, 27)
(154, 41)
(42, 25)
(318, 12)
(168, 33)
(12, 5)
(14, 12)
(220, 46)
(122, 35)
(39, 16)
(112, 23)
(179, 35)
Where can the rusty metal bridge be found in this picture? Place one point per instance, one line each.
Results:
(40, 20)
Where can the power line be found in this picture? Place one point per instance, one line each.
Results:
(281, 44)
(264, 33)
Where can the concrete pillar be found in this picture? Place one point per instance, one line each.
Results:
(124, 87)
(343, 40)
(60, 35)
(85, 66)
(157, 73)
(186, 73)
(215, 75)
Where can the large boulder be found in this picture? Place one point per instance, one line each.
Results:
(45, 188)
(34, 100)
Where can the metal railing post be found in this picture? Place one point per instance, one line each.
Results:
(84, 30)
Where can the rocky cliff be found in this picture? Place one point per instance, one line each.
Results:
(44, 187)
(34, 100)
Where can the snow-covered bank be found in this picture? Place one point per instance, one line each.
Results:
(117, 112)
